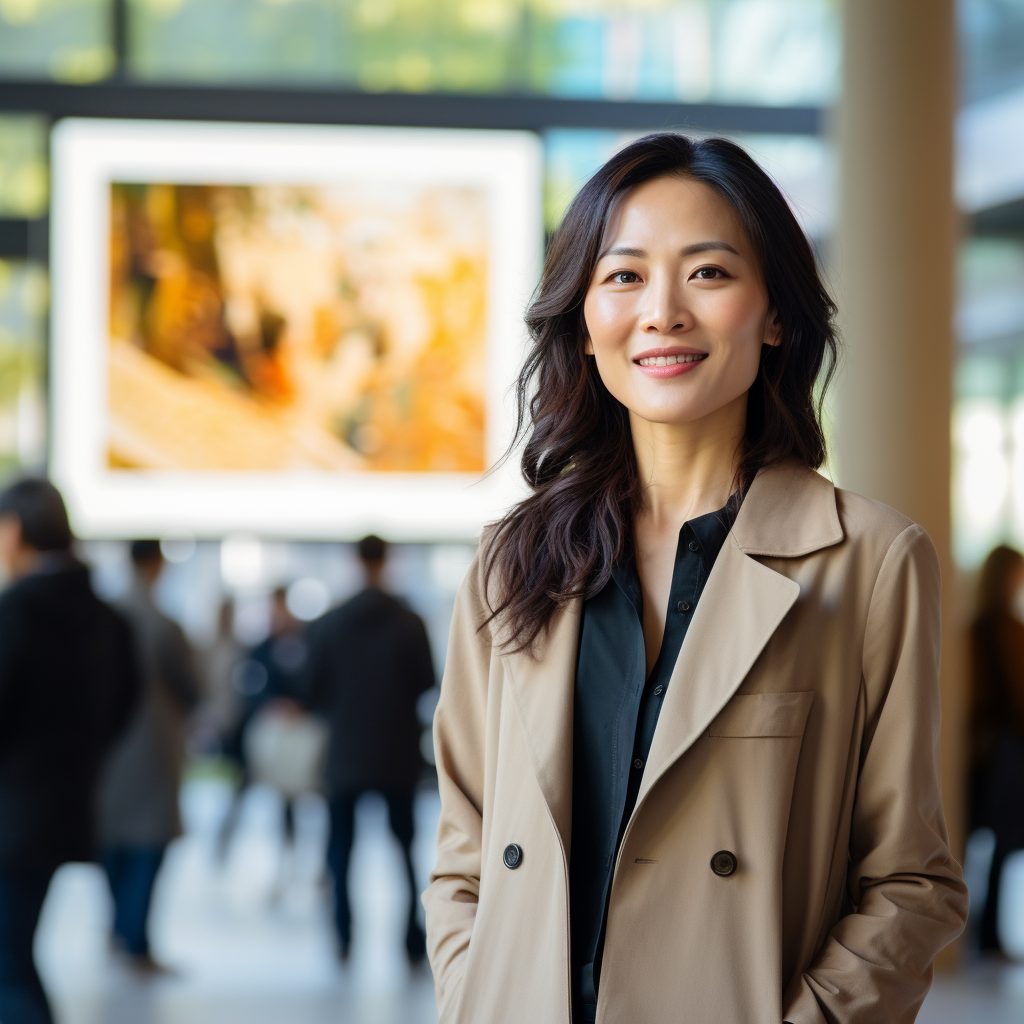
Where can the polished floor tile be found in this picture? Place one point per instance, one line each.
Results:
(249, 939)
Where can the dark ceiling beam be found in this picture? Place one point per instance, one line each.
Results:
(24, 239)
(126, 99)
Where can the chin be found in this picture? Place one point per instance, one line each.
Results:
(674, 415)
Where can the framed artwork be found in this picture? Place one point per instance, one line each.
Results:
(288, 331)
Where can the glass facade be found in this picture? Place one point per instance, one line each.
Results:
(745, 51)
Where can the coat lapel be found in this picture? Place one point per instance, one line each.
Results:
(789, 512)
(741, 607)
(542, 685)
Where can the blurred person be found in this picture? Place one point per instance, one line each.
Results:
(997, 721)
(369, 662)
(68, 682)
(687, 739)
(266, 681)
(139, 788)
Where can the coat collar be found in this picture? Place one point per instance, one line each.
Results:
(789, 511)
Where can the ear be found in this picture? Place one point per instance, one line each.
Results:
(772, 330)
(588, 347)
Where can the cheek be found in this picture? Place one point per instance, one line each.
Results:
(608, 318)
(740, 315)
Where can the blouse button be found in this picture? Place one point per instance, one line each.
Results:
(683, 607)
(659, 690)
(693, 546)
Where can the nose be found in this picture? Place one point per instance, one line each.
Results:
(663, 311)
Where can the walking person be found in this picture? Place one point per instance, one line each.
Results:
(267, 684)
(687, 737)
(997, 722)
(68, 682)
(138, 796)
(369, 661)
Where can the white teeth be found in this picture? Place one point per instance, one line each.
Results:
(669, 360)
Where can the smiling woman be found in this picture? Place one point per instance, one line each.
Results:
(642, 267)
(687, 735)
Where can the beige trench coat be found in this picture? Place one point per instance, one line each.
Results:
(799, 732)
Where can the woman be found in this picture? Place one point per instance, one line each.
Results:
(687, 735)
(997, 720)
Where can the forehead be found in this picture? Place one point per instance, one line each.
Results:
(676, 209)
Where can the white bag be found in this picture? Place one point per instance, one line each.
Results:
(286, 749)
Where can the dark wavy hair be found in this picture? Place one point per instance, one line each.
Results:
(564, 539)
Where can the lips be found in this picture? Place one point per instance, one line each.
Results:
(668, 362)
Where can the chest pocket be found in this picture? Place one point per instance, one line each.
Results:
(763, 714)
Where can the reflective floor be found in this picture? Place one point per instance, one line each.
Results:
(249, 940)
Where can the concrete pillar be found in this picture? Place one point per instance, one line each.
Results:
(894, 264)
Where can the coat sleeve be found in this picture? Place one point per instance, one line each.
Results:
(459, 749)
(420, 674)
(13, 657)
(905, 890)
(312, 685)
(126, 678)
(178, 669)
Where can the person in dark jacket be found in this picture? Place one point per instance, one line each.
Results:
(368, 662)
(997, 721)
(138, 791)
(68, 684)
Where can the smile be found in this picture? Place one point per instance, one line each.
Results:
(671, 360)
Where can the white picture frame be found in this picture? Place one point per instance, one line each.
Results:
(89, 155)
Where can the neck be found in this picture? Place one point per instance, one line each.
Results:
(688, 469)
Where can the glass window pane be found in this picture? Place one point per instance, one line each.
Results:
(64, 39)
(751, 51)
(23, 297)
(803, 167)
(23, 166)
(991, 46)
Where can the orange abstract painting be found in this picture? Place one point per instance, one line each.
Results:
(257, 328)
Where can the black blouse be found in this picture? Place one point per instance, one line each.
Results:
(615, 714)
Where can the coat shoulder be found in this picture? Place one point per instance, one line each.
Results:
(878, 534)
(863, 518)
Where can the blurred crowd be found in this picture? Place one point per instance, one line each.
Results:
(100, 701)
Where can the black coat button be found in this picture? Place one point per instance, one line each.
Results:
(693, 546)
(513, 855)
(723, 863)
(683, 606)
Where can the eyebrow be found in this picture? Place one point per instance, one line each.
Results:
(688, 250)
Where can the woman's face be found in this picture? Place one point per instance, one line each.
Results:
(677, 309)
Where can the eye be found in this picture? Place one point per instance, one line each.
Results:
(708, 273)
(624, 277)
